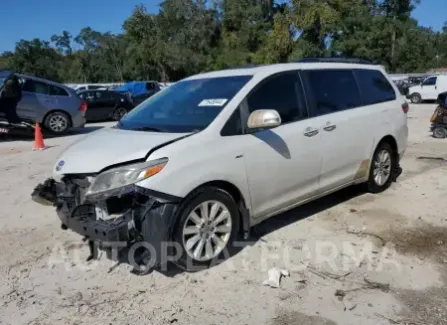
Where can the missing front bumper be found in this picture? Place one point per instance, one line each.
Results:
(147, 217)
(115, 230)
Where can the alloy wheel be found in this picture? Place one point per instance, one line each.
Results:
(58, 123)
(119, 113)
(382, 167)
(207, 230)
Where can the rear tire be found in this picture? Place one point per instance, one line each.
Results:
(416, 98)
(119, 113)
(205, 241)
(381, 169)
(439, 133)
(57, 122)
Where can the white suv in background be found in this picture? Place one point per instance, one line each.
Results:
(429, 89)
(215, 154)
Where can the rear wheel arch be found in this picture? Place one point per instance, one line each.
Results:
(386, 139)
(392, 142)
(70, 122)
(60, 111)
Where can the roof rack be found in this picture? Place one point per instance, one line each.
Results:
(334, 60)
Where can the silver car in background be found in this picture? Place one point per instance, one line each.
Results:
(55, 106)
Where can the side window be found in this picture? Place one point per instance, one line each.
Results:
(89, 95)
(150, 86)
(430, 81)
(374, 87)
(37, 87)
(333, 90)
(100, 95)
(57, 91)
(282, 92)
(106, 95)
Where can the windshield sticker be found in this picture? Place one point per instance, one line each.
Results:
(213, 102)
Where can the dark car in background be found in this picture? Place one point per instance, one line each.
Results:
(106, 104)
(140, 90)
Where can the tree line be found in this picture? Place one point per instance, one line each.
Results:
(191, 36)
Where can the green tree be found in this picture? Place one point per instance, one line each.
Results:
(190, 36)
(316, 19)
(36, 58)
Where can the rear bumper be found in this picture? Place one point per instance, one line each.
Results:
(78, 120)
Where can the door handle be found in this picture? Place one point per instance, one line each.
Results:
(329, 127)
(310, 132)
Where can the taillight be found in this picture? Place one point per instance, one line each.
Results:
(83, 107)
(405, 107)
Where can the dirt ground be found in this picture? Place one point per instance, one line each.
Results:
(354, 258)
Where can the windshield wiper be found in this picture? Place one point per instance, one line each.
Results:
(148, 129)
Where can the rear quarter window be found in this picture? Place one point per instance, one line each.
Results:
(57, 91)
(374, 87)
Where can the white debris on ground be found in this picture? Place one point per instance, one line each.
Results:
(274, 277)
(381, 258)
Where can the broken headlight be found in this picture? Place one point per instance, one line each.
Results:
(117, 178)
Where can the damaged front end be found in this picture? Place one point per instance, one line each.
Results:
(112, 221)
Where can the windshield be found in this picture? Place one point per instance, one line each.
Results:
(186, 106)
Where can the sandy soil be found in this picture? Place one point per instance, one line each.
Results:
(385, 254)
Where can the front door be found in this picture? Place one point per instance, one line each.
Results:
(429, 89)
(282, 164)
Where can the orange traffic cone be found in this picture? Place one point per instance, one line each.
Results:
(38, 138)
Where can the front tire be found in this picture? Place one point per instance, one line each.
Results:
(382, 165)
(57, 122)
(416, 98)
(207, 227)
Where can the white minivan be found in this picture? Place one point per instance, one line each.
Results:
(429, 89)
(201, 162)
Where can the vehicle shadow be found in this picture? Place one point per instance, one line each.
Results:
(276, 223)
(75, 131)
(274, 141)
(28, 134)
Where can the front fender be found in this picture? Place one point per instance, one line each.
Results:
(181, 180)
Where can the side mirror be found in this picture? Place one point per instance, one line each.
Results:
(264, 119)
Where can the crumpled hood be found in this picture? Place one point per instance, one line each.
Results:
(108, 147)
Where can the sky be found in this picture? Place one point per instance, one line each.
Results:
(28, 19)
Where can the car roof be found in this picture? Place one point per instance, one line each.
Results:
(272, 68)
(5, 73)
(44, 81)
(89, 90)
